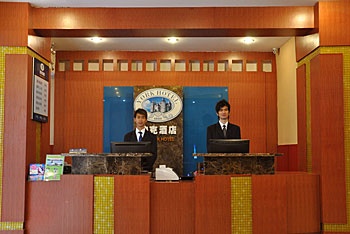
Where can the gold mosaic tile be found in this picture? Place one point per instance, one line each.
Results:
(241, 205)
(11, 226)
(103, 205)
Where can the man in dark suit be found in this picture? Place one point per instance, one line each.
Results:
(140, 133)
(223, 129)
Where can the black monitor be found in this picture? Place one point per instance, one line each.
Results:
(131, 147)
(228, 146)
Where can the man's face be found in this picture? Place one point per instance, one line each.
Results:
(140, 121)
(223, 113)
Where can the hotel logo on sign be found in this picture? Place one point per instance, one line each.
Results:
(161, 104)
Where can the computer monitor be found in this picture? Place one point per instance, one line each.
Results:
(131, 147)
(228, 146)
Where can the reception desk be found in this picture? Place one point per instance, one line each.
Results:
(107, 163)
(134, 204)
(237, 163)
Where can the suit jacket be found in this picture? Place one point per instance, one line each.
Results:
(147, 162)
(215, 132)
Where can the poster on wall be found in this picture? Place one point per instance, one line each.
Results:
(40, 91)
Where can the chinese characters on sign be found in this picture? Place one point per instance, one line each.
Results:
(163, 130)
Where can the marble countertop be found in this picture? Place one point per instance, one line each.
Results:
(120, 155)
(236, 154)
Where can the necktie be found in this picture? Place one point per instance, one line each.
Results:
(140, 136)
(224, 130)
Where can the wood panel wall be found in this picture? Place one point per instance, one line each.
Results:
(79, 95)
(213, 204)
(286, 203)
(64, 206)
(132, 204)
(327, 133)
(163, 22)
(302, 118)
(14, 23)
(16, 139)
(331, 21)
(290, 159)
(334, 19)
(172, 207)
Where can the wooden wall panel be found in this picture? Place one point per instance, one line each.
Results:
(302, 124)
(306, 44)
(16, 117)
(334, 19)
(41, 45)
(172, 207)
(269, 198)
(209, 21)
(315, 153)
(287, 202)
(327, 117)
(132, 204)
(64, 206)
(79, 95)
(304, 205)
(83, 112)
(248, 97)
(213, 204)
(271, 112)
(14, 23)
(59, 126)
(289, 160)
(282, 163)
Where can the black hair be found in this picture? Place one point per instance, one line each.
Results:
(140, 111)
(220, 104)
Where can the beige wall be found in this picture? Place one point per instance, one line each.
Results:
(286, 94)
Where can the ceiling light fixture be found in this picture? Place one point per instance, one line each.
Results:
(173, 40)
(96, 39)
(248, 40)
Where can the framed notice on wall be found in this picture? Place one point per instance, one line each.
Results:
(40, 91)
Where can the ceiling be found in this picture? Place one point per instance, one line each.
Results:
(195, 44)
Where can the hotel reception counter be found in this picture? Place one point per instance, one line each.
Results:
(107, 163)
(136, 204)
(238, 163)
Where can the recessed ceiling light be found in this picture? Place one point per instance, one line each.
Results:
(173, 40)
(96, 39)
(248, 40)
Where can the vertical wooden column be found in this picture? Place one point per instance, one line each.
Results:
(16, 116)
(327, 133)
